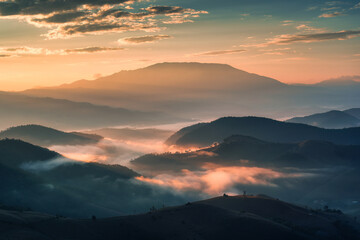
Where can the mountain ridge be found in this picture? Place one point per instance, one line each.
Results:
(331, 119)
(262, 128)
(45, 136)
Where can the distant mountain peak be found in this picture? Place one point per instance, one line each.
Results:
(191, 65)
(330, 119)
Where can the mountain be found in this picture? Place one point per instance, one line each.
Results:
(18, 109)
(331, 119)
(44, 136)
(173, 75)
(205, 90)
(263, 128)
(187, 89)
(341, 81)
(354, 112)
(255, 152)
(15, 152)
(43, 180)
(226, 217)
(132, 134)
(313, 173)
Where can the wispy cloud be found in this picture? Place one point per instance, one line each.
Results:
(220, 52)
(75, 18)
(307, 28)
(356, 6)
(29, 51)
(92, 49)
(143, 39)
(315, 37)
(330, 15)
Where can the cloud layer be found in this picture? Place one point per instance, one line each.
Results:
(216, 179)
(70, 18)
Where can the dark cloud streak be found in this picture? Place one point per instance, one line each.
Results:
(144, 39)
(221, 52)
(316, 37)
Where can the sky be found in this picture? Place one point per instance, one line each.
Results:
(50, 42)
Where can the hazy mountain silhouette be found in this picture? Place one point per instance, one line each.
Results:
(44, 136)
(133, 133)
(354, 112)
(173, 75)
(331, 119)
(203, 90)
(19, 109)
(341, 81)
(262, 128)
(227, 217)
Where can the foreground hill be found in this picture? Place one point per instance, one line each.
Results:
(331, 119)
(15, 152)
(205, 134)
(40, 179)
(18, 109)
(44, 136)
(217, 218)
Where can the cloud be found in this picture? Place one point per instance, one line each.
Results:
(221, 52)
(309, 38)
(71, 18)
(4, 55)
(216, 179)
(333, 3)
(29, 51)
(307, 28)
(330, 15)
(357, 6)
(111, 151)
(33, 7)
(165, 10)
(144, 39)
(92, 49)
(47, 165)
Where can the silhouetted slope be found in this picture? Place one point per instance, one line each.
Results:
(15, 152)
(40, 179)
(354, 112)
(262, 128)
(18, 109)
(307, 154)
(218, 218)
(331, 119)
(45, 136)
(182, 132)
